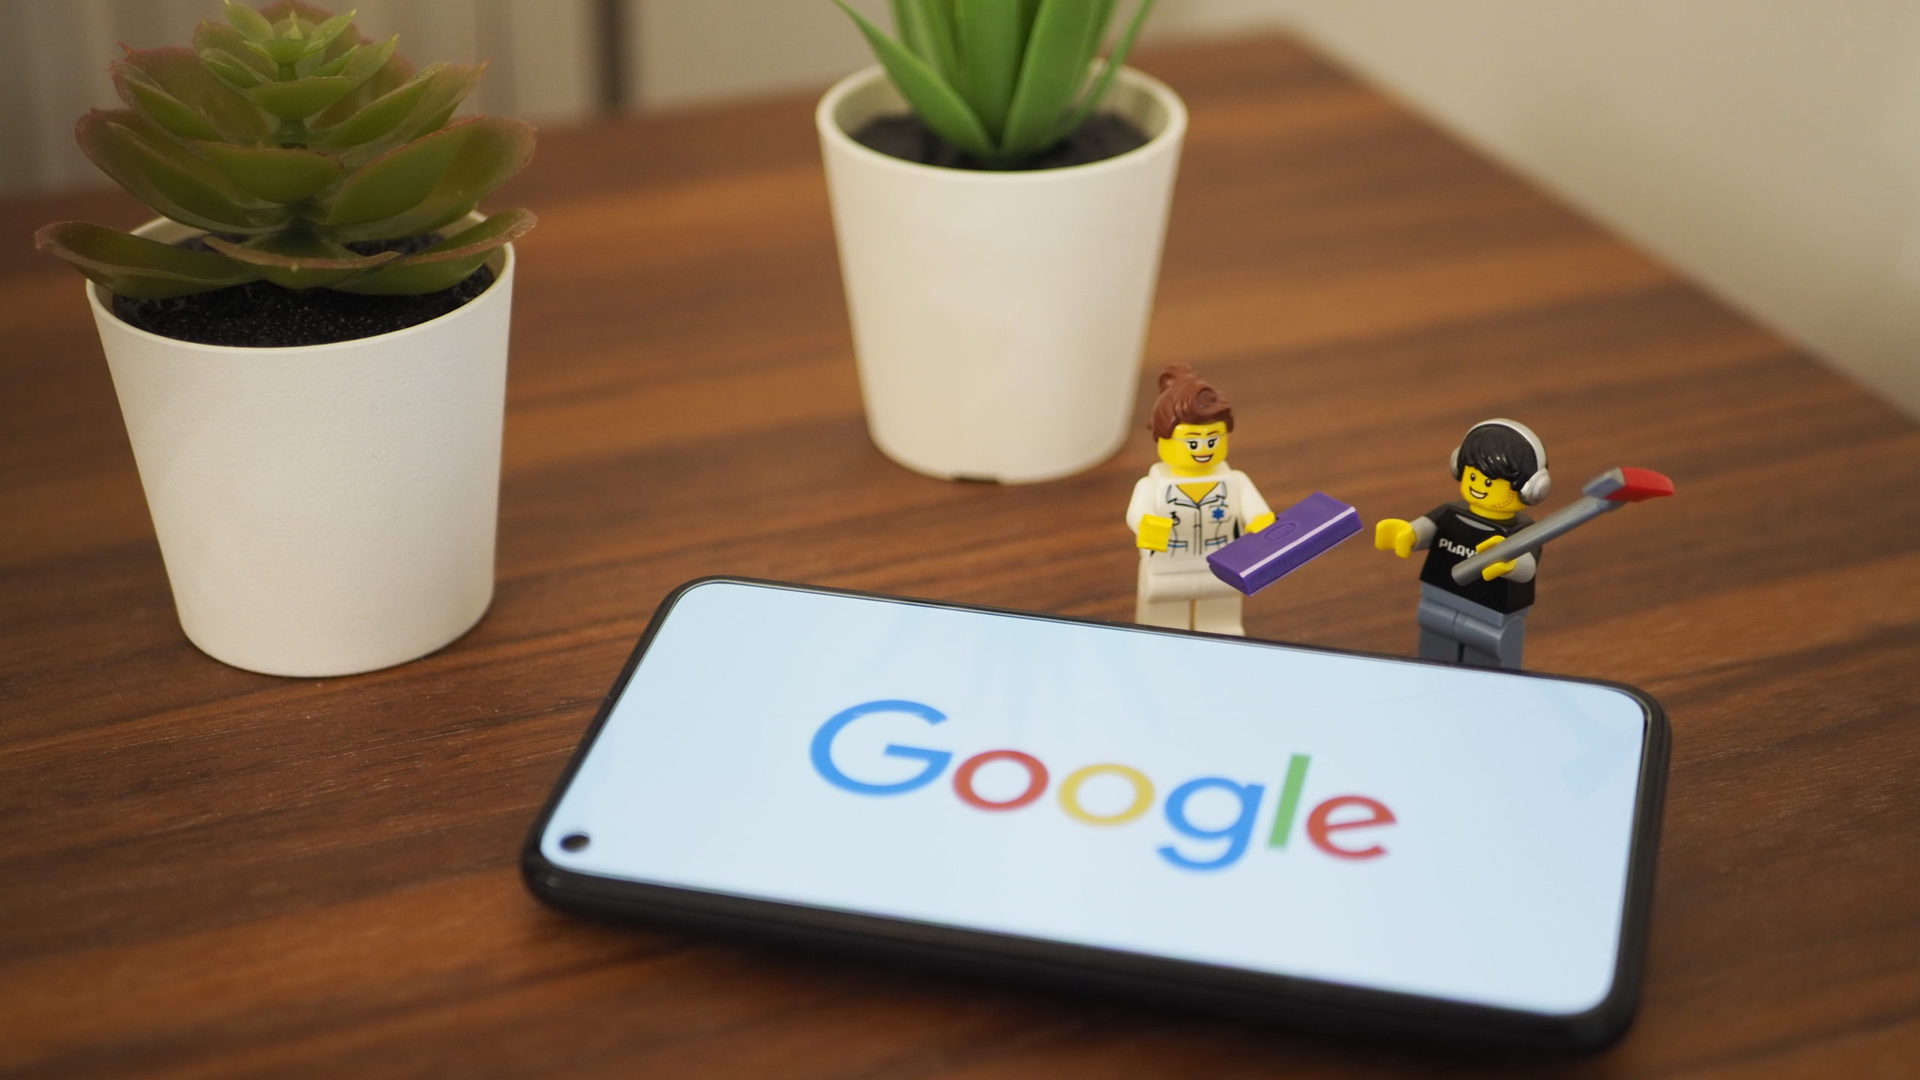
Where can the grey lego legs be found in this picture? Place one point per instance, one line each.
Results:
(1462, 632)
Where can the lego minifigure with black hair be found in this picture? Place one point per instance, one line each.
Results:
(1501, 466)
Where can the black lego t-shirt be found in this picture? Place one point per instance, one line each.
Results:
(1457, 531)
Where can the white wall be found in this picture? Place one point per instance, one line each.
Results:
(692, 51)
(1768, 148)
(689, 51)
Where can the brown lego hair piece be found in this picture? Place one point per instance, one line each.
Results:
(1186, 398)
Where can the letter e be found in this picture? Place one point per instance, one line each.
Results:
(1318, 827)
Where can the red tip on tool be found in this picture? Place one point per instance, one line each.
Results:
(1640, 485)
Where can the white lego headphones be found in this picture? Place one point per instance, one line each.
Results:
(1536, 486)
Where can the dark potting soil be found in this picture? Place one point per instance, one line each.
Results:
(1103, 136)
(262, 315)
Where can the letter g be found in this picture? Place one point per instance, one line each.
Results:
(822, 750)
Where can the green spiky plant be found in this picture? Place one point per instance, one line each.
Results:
(1001, 79)
(287, 136)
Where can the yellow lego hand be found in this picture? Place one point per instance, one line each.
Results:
(1260, 522)
(1154, 532)
(1494, 570)
(1395, 535)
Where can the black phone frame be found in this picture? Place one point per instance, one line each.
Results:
(1298, 1003)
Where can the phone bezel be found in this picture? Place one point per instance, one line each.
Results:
(1296, 1001)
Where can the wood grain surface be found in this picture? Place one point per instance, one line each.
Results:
(209, 873)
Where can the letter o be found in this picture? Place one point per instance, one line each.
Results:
(963, 779)
(1070, 794)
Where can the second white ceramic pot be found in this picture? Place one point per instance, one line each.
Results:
(322, 509)
(998, 317)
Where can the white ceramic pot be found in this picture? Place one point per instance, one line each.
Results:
(998, 317)
(323, 509)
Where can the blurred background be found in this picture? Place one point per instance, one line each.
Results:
(1770, 150)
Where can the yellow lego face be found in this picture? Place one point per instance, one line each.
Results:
(1194, 448)
(1487, 496)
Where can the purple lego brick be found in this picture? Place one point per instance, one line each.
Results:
(1303, 532)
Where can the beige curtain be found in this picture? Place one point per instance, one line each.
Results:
(544, 63)
(550, 58)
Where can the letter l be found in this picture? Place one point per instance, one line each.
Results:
(1289, 801)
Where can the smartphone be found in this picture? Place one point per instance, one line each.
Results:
(1314, 836)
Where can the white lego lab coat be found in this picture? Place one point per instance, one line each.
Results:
(1200, 526)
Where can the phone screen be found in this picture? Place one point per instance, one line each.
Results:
(1441, 831)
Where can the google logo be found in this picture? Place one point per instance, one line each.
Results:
(1329, 835)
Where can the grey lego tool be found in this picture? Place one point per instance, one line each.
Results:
(1603, 494)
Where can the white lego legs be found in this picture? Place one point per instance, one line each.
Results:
(1150, 612)
(1219, 615)
(1184, 595)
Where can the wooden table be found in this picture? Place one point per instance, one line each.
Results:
(211, 873)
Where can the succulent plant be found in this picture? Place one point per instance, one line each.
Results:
(1001, 79)
(290, 138)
